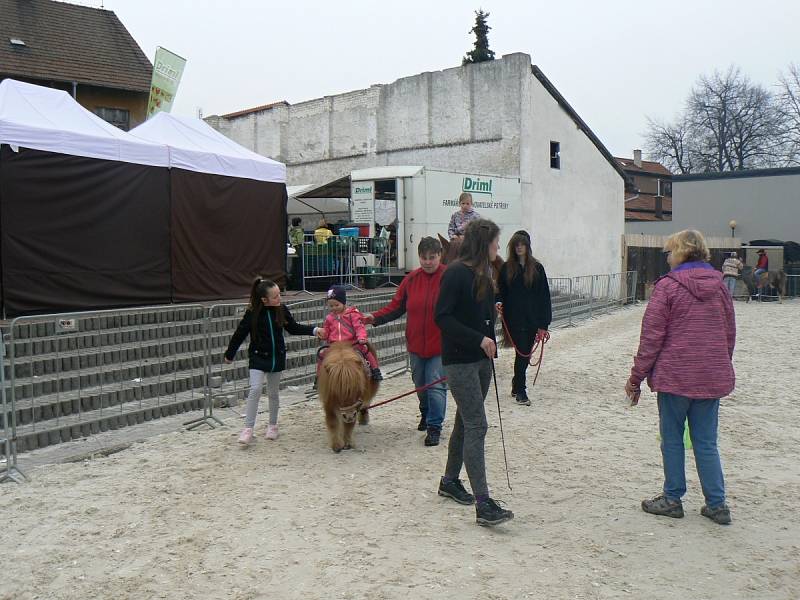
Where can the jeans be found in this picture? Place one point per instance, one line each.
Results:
(433, 401)
(703, 415)
(731, 283)
(469, 384)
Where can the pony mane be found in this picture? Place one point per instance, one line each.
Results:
(342, 380)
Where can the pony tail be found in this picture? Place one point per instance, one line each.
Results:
(255, 306)
(255, 299)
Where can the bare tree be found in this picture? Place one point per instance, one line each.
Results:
(668, 143)
(729, 124)
(789, 108)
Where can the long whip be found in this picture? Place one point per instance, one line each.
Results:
(500, 417)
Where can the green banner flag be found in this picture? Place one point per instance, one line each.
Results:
(167, 72)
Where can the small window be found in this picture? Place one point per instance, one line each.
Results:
(555, 155)
(118, 117)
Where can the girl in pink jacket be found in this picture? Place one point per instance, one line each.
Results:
(685, 352)
(346, 324)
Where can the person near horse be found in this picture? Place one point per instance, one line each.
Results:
(416, 297)
(465, 314)
(346, 323)
(524, 299)
(463, 217)
(762, 266)
(265, 321)
(685, 351)
(296, 238)
(731, 269)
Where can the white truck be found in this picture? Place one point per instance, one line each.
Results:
(419, 202)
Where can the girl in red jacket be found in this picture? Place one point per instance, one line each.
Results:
(346, 323)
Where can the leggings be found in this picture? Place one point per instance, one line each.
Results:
(256, 383)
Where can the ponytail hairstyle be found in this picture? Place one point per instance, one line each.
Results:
(474, 253)
(530, 271)
(259, 290)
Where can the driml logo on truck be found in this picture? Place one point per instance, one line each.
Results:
(476, 185)
(367, 189)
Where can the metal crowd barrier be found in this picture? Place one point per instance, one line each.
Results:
(71, 375)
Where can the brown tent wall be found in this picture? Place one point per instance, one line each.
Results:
(81, 233)
(225, 231)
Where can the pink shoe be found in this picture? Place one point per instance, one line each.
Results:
(272, 432)
(246, 436)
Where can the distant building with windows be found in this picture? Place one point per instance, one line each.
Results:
(502, 117)
(648, 191)
(85, 51)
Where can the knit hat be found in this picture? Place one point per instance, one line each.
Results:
(524, 234)
(339, 293)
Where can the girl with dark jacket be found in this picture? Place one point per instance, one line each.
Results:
(264, 321)
(524, 298)
(465, 314)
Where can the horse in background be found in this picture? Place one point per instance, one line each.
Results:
(450, 250)
(345, 389)
(774, 279)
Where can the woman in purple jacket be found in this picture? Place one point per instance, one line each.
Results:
(685, 351)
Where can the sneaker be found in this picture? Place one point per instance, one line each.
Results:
(272, 432)
(489, 513)
(663, 506)
(376, 374)
(522, 398)
(423, 423)
(246, 436)
(455, 489)
(720, 515)
(432, 439)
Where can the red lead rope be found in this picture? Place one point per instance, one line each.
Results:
(414, 391)
(539, 343)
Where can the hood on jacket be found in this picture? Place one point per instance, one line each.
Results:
(702, 282)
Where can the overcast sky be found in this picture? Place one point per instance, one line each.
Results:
(616, 61)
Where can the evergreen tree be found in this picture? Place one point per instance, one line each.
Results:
(481, 51)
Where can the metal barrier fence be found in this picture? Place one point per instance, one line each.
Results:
(590, 295)
(71, 375)
(793, 286)
(356, 262)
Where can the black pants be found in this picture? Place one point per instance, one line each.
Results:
(523, 338)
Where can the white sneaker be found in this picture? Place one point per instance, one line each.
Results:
(272, 432)
(246, 436)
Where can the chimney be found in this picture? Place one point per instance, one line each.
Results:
(637, 158)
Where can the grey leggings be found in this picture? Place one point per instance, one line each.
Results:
(273, 387)
(469, 384)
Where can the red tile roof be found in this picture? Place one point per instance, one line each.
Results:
(642, 207)
(67, 42)
(255, 109)
(648, 166)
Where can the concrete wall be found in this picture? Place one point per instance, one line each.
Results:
(493, 118)
(763, 207)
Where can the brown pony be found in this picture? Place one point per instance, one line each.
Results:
(450, 253)
(345, 390)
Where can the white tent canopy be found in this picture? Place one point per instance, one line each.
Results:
(313, 206)
(40, 118)
(196, 146)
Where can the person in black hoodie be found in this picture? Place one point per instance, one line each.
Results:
(465, 314)
(264, 321)
(524, 299)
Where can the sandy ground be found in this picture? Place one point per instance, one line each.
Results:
(192, 515)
